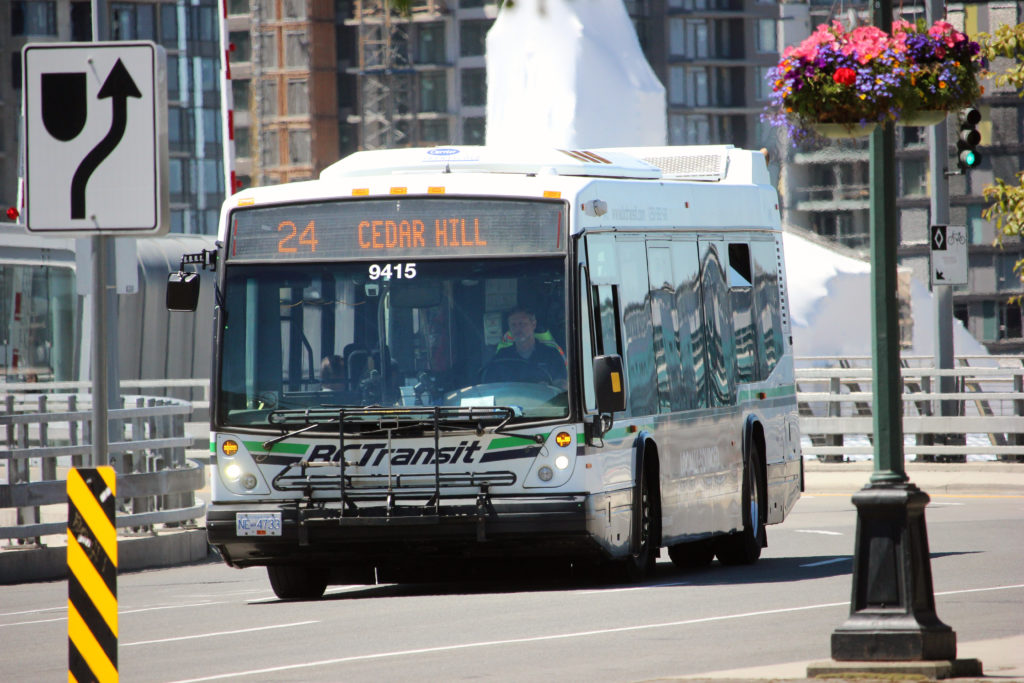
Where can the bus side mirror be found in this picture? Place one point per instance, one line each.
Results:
(609, 384)
(182, 291)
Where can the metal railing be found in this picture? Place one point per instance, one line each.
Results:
(196, 391)
(45, 434)
(985, 419)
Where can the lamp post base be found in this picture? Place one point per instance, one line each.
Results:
(892, 612)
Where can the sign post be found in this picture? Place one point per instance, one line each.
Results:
(96, 163)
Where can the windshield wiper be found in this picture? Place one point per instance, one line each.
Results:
(267, 445)
(428, 417)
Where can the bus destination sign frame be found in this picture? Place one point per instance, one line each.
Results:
(397, 228)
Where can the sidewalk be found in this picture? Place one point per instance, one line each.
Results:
(1002, 659)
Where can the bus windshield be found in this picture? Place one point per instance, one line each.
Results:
(456, 332)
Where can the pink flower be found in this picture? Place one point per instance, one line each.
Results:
(940, 28)
(808, 49)
(868, 42)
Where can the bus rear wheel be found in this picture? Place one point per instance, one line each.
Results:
(693, 554)
(297, 581)
(744, 547)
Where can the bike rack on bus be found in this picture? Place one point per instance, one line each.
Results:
(362, 421)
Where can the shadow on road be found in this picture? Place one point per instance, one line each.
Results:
(665, 575)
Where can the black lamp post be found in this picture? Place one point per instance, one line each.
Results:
(892, 612)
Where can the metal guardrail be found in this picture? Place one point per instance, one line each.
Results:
(983, 416)
(48, 433)
(149, 387)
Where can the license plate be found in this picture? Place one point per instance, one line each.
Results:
(258, 523)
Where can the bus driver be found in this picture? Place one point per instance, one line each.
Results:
(531, 360)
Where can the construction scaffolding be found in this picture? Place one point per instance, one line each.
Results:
(387, 97)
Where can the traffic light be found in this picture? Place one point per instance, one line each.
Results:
(967, 156)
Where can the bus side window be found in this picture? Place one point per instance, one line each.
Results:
(667, 353)
(690, 333)
(587, 353)
(717, 324)
(606, 318)
(766, 302)
(741, 290)
(603, 269)
(637, 329)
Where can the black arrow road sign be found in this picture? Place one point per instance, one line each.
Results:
(119, 86)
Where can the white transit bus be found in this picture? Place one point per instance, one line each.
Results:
(431, 357)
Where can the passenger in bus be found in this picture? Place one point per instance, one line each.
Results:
(525, 355)
(332, 373)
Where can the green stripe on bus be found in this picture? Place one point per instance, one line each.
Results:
(772, 392)
(291, 448)
(513, 442)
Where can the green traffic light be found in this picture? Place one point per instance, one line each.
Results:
(969, 158)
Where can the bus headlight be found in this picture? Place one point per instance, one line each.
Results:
(237, 472)
(554, 464)
(233, 471)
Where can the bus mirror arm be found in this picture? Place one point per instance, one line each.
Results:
(595, 427)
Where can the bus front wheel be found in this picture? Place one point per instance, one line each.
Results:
(744, 547)
(297, 582)
(637, 567)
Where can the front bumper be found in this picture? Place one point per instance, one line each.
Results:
(379, 534)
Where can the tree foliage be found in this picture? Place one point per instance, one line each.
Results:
(1007, 198)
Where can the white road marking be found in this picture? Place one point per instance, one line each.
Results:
(122, 611)
(632, 588)
(33, 611)
(818, 531)
(220, 633)
(556, 636)
(822, 563)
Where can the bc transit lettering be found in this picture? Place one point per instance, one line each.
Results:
(374, 454)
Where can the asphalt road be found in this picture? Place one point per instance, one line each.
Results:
(210, 622)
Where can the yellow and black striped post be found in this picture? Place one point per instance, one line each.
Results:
(92, 575)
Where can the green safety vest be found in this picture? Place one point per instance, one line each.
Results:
(542, 337)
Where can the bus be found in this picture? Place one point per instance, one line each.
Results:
(432, 358)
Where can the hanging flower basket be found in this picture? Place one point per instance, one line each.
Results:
(864, 76)
(930, 117)
(843, 131)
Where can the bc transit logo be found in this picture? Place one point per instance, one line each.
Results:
(442, 151)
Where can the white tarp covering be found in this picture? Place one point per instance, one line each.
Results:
(570, 74)
(830, 305)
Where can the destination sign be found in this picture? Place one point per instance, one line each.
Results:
(397, 228)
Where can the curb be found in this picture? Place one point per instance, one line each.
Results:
(984, 478)
(164, 549)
